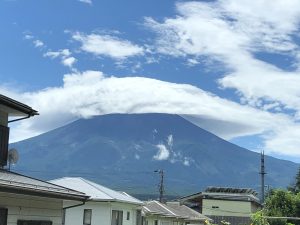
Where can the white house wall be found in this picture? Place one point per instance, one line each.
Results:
(213, 207)
(101, 213)
(22, 207)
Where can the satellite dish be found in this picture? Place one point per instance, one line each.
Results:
(13, 156)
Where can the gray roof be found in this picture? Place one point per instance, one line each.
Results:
(96, 192)
(15, 108)
(11, 182)
(173, 210)
(231, 190)
(224, 193)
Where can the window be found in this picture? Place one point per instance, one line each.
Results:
(215, 207)
(3, 216)
(128, 216)
(117, 217)
(87, 217)
(139, 218)
(33, 222)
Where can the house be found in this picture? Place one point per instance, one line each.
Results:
(170, 213)
(25, 200)
(105, 206)
(28, 201)
(234, 205)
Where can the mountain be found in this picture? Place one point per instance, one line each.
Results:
(122, 151)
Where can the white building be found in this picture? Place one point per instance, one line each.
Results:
(104, 207)
(25, 200)
(234, 205)
(171, 213)
(28, 201)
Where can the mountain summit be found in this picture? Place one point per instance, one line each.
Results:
(123, 150)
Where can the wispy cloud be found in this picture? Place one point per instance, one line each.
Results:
(107, 45)
(38, 43)
(64, 55)
(86, 1)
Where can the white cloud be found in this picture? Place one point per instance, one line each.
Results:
(64, 55)
(38, 43)
(240, 32)
(86, 1)
(60, 53)
(69, 61)
(186, 162)
(92, 93)
(170, 140)
(28, 37)
(162, 154)
(107, 45)
(231, 33)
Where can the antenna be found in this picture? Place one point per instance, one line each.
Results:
(262, 173)
(161, 185)
(13, 157)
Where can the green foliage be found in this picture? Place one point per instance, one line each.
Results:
(258, 218)
(282, 203)
(223, 222)
(295, 187)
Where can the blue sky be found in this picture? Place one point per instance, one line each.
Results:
(231, 67)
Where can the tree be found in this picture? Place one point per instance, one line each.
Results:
(295, 187)
(258, 218)
(282, 203)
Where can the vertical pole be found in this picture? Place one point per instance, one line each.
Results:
(161, 185)
(262, 174)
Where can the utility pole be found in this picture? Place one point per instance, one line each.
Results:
(262, 174)
(161, 185)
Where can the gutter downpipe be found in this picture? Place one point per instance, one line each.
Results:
(73, 206)
(23, 118)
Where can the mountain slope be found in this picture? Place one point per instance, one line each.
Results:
(122, 151)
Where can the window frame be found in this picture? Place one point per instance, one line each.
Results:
(119, 218)
(84, 216)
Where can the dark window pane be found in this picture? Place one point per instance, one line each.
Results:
(117, 217)
(3, 216)
(87, 217)
(34, 222)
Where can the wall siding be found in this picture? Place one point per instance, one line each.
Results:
(101, 213)
(226, 208)
(31, 208)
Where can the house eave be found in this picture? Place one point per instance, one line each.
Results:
(40, 193)
(15, 108)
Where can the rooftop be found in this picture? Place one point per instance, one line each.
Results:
(96, 191)
(231, 190)
(11, 182)
(224, 193)
(173, 210)
(15, 108)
